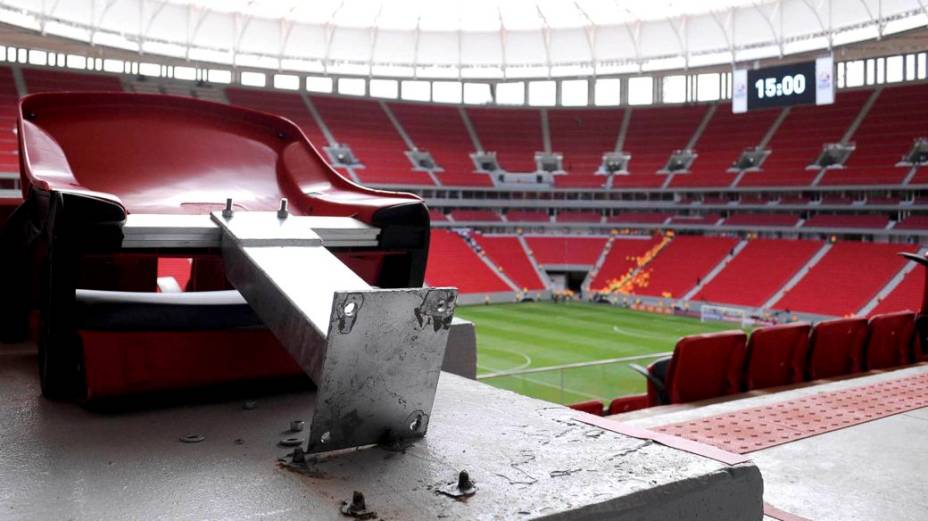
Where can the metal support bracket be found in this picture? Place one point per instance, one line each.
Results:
(375, 355)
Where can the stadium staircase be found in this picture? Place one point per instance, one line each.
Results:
(507, 257)
(890, 288)
(716, 270)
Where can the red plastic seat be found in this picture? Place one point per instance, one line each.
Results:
(628, 403)
(591, 407)
(836, 347)
(890, 341)
(702, 367)
(776, 355)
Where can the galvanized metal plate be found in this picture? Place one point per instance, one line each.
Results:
(756, 428)
(381, 368)
(266, 229)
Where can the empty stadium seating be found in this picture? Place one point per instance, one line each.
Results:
(890, 341)
(286, 104)
(776, 356)
(906, 296)
(679, 266)
(514, 134)
(913, 222)
(474, 215)
(440, 131)
(50, 80)
(709, 219)
(507, 253)
(578, 217)
(799, 139)
(364, 126)
(453, 263)
(639, 217)
(758, 271)
(836, 347)
(652, 135)
(884, 136)
(721, 144)
(589, 407)
(582, 136)
(527, 216)
(566, 251)
(873, 222)
(846, 278)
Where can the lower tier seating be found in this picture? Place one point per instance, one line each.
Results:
(681, 265)
(452, 262)
(566, 251)
(509, 256)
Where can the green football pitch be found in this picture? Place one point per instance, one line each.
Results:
(534, 336)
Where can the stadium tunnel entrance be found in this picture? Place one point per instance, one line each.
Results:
(563, 280)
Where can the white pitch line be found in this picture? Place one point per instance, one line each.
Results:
(621, 331)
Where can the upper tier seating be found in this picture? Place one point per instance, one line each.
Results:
(639, 217)
(780, 220)
(453, 263)
(365, 127)
(509, 255)
(652, 135)
(758, 271)
(906, 296)
(50, 80)
(776, 356)
(474, 215)
(437, 215)
(578, 217)
(721, 144)
(874, 222)
(686, 259)
(884, 136)
(514, 134)
(440, 131)
(845, 279)
(286, 104)
(9, 154)
(798, 141)
(583, 136)
(527, 216)
(913, 222)
(836, 347)
(622, 259)
(890, 340)
(578, 251)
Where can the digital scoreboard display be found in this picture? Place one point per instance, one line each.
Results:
(784, 85)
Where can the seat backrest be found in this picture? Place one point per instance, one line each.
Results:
(706, 366)
(836, 347)
(590, 406)
(776, 355)
(890, 340)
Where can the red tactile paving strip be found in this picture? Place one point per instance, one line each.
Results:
(758, 428)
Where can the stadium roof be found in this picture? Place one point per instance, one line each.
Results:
(468, 39)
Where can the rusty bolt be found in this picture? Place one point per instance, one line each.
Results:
(227, 211)
(283, 212)
(298, 455)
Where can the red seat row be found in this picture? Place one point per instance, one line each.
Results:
(720, 364)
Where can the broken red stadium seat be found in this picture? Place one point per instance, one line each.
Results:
(702, 367)
(93, 160)
(890, 340)
(591, 407)
(836, 347)
(776, 355)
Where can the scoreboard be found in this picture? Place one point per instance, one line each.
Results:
(784, 85)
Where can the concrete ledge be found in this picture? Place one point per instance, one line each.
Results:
(530, 459)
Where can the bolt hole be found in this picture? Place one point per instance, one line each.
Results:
(326, 436)
(441, 307)
(350, 309)
(415, 424)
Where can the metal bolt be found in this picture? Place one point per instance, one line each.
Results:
(464, 482)
(298, 455)
(192, 438)
(296, 425)
(283, 212)
(357, 503)
(227, 211)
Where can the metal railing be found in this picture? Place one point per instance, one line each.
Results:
(577, 382)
